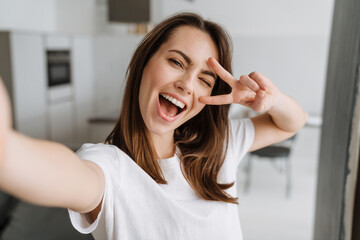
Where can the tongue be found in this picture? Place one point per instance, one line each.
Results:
(167, 107)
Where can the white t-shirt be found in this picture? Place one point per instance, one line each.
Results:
(136, 207)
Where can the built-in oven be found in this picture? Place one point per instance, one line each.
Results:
(59, 67)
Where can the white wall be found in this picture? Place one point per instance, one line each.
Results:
(60, 16)
(75, 16)
(34, 15)
(83, 79)
(260, 17)
(295, 64)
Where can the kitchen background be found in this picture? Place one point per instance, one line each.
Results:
(46, 43)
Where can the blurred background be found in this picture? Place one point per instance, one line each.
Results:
(64, 64)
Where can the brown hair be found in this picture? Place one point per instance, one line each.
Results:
(202, 140)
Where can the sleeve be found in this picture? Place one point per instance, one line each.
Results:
(241, 138)
(105, 157)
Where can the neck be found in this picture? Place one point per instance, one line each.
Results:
(164, 145)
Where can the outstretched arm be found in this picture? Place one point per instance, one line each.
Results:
(5, 119)
(45, 173)
(282, 116)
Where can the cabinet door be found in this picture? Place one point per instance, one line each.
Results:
(61, 122)
(135, 11)
(29, 84)
(83, 81)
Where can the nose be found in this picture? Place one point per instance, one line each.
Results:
(185, 84)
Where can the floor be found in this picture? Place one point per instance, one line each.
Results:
(265, 211)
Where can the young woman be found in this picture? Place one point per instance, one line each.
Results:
(167, 170)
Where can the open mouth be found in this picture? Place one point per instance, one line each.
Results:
(170, 106)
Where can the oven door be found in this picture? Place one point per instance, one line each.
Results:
(59, 70)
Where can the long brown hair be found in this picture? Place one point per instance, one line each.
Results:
(202, 141)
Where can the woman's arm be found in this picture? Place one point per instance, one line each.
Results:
(5, 119)
(45, 173)
(282, 116)
(283, 120)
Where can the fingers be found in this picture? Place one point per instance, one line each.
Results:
(221, 72)
(261, 103)
(216, 100)
(250, 83)
(261, 80)
(265, 90)
(243, 97)
(255, 90)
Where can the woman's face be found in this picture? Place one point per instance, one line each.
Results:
(174, 78)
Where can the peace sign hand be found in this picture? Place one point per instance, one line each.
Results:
(254, 91)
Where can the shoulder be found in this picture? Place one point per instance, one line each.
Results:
(241, 137)
(89, 151)
(110, 160)
(105, 155)
(241, 129)
(241, 123)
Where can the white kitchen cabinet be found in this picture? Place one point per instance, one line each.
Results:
(61, 118)
(70, 105)
(59, 113)
(83, 81)
(24, 76)
(60, 101)
(57, 42)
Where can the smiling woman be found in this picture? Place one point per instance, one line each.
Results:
(167, 170)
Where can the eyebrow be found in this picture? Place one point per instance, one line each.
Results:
(188, 60)
(209, 73)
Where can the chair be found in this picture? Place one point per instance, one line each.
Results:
(274, 153)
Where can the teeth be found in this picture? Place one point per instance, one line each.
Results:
(174, 101)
